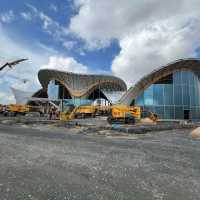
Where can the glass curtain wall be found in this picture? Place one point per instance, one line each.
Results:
(53, 90)
(56, 91)
(174, 97)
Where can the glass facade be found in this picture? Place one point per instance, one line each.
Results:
(56, 91)
(177, 97)
(53, 90)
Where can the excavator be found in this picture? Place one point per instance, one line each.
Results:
(72, 112)
(117, 113)
(124, 114)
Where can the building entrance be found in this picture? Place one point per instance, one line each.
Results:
(186, 114)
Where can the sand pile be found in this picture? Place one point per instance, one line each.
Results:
(146, 121)
(196, 133)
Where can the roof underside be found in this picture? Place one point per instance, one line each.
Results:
(146, 81)
(81, 84)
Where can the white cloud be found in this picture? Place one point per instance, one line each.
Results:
(150, 33)
(68, 64)
(53, 7)
(26, 70)
(47, 48)
(101, 21)
(26, 15)
(47, 21)
(154, 47)
(69, 44)
(49, 25)
(7, 17)
(38, 58)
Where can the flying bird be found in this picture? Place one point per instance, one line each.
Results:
(11, 64)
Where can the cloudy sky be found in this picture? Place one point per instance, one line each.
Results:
(127, 38)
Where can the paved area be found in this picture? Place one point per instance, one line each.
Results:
(42, 163)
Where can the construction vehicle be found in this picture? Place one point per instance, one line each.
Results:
(124, 114)
(15, 109)
(103, 110)
(128, 114)
(85, 111)
(71, 112)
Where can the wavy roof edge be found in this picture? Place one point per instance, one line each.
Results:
(82, 83)
(81, 74)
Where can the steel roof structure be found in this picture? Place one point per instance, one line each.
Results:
(81, 85)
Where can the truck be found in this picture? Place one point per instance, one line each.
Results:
(15, 109)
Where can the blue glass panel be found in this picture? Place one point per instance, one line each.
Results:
(192, 95)
(196, 97)
(168, 94)
(158, 94)
(177, 95)
(177, 78)
(186, 107)
(140, 100)
(149, 108)
(186, 95)
(179, 114)
(196, 80)
(148, 96)
(78, 101)
(191, 78)
(194, 114)
(198, 113)
(159, 110)
(169, 112)
(185, 77)
(52, 90)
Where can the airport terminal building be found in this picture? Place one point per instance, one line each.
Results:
(80, 89)
(172, 91)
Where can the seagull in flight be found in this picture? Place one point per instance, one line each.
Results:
(11, 64)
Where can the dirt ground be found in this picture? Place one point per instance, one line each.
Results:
(44, 162)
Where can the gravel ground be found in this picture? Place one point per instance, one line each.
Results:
(43, 162)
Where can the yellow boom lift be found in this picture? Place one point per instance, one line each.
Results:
(128, 114)
(117, 113)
